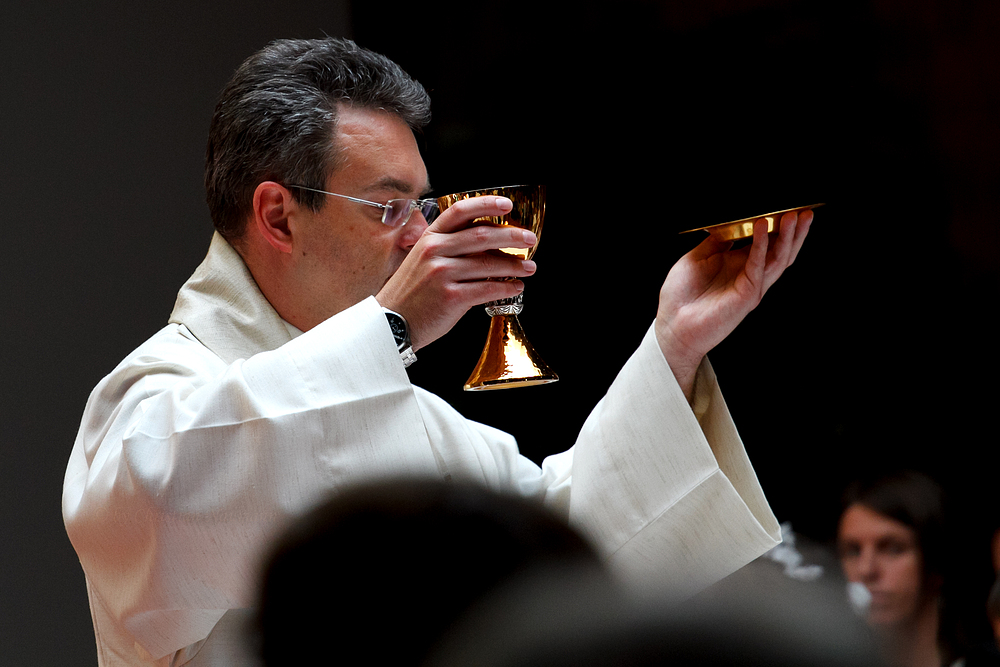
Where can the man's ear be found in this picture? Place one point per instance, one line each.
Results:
(272, 205)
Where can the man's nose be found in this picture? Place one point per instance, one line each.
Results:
(412, 230)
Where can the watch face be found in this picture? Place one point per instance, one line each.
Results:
(398, 326)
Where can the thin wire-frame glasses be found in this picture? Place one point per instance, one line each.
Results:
(395, 212)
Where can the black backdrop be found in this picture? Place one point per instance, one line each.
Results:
(643, 118)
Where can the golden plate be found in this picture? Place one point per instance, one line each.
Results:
(741, 229)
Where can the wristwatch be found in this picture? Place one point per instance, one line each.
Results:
(401, 332)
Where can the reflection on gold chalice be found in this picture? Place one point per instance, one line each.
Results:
(743, 228)
(508, 359)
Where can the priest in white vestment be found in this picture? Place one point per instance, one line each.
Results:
(278, 379)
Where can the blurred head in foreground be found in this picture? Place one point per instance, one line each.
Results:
(387, 568)
(413, 572)
(579, 625)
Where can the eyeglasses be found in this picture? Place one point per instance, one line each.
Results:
(395, 212)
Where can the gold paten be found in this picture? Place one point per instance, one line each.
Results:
(741, 229)
(508, 360)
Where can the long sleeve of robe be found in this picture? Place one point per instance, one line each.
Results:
(208, 438)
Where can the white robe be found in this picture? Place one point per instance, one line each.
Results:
(208, 438)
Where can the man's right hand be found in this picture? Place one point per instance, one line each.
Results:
(447, 270)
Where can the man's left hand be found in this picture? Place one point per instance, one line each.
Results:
(711, 289)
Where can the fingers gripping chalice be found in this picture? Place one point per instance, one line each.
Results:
(508, 359)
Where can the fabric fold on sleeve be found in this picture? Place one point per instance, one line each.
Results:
(670, 500)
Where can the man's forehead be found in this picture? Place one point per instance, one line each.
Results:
(379, 148)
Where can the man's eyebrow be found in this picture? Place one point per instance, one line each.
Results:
(390, 183)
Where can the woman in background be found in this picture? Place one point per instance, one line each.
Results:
(890, 539)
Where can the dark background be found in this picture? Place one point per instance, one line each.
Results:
(644, 119)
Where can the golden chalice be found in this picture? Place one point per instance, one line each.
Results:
(508, 359)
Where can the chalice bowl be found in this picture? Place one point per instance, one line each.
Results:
(508, 360)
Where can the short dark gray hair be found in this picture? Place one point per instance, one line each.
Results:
(276, 120)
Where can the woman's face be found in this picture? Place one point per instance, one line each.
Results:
(884, 555)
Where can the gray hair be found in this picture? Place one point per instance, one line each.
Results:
(276, 120)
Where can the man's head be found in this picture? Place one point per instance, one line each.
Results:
(324, 115)
(276, 120)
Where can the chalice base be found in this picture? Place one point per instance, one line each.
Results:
(508, 360)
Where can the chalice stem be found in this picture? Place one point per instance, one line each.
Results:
(508, 360)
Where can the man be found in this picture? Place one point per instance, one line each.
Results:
(278, 379)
